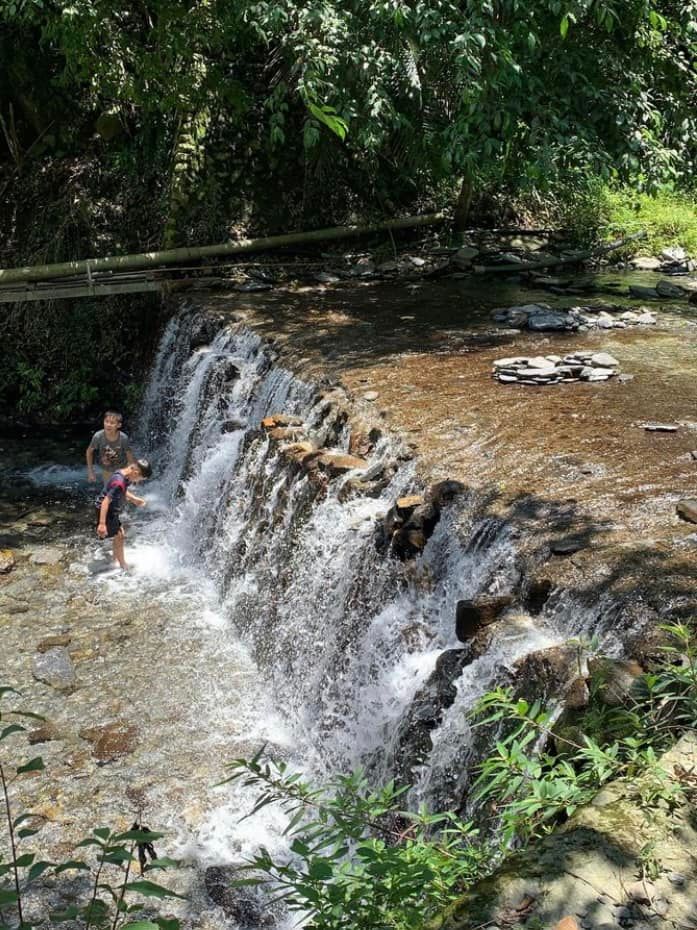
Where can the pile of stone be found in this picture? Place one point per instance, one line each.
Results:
(553, 369)
(674, 260)
(543, 318)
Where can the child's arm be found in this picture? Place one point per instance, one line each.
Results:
(101, 526)
(133, 499)
(130, 456)
(89, 458)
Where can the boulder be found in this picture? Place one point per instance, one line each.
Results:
(615, 679)
(550, 321)
(643, 293)
(646, 263)
(669, 290)
(687, 510)
(674, 254)
(464, 257)
(55, 668)
(472, 615)
(7, 561)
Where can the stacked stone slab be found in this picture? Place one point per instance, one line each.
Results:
(543, 318)
(553, 369)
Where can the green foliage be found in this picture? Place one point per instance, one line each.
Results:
(597, 211)
(357, 860)
(538, 775)
(69, 360)
(108, 899)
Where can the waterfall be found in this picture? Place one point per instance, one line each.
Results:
(343, 637)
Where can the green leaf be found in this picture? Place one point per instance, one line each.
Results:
(7, 896)
(142, 925)
(38, 869)
(564, 26)
(13, 728)
(34, 765)
(151, 890)
(102, 832)
(72, 864)
(168, 923)
(22, 834)
(25, 859)
(70, 913)
(328, 116)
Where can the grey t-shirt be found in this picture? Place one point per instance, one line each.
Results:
(110, 454)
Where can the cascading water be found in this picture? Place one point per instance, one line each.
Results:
(343, 636)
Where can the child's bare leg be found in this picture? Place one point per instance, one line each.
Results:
(119, 549)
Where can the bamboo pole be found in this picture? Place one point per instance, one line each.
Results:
(172, 256)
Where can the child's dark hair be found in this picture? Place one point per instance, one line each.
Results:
(113, 413)
(144, 467)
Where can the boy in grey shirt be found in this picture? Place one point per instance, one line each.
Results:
(110, 446)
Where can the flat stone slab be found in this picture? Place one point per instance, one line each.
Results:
(660, 427)
(47, 555)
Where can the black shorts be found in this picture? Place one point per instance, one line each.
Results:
(113, 524)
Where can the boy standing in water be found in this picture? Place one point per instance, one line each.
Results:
(111, 447)
(110, 502)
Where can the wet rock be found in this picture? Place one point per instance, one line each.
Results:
(338, 463)
(413, 742)
(111, 741)
(405, 505)
(677, 879)
(47, 555)
(567, 546)
(363, 438)
(625, 379)
(244, 905)
(55, 668)
(281, 419)
(371, 395)
(204, 329)
(660, 427)
(646, 319)
(324, 277)
(444, 491)
(549, 321)
(535, 594)
(615, 679)
(643, 293)
(50, 642)
(405, 532)
(231, 426)
(7, 561)
(641, 892)
(545, 672)
(472, 615)
(687, 510)
(669, 290)
(300, 452)
(285, 433)
(46, 733)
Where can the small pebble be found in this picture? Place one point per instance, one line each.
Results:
(677, 878)
(370, 395)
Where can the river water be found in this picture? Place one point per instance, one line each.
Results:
(258, 611)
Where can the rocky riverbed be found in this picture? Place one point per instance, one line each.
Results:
(147, 689)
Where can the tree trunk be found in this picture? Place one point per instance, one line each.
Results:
(463, 204)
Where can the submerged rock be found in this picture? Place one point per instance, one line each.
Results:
(7, 561)
(47, 555)
(55, 668)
